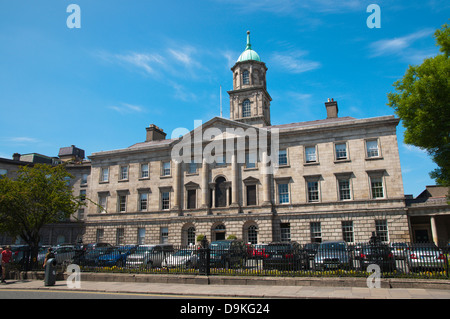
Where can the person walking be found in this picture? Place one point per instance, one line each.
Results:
(6, 260)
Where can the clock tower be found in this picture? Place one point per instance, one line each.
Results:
(249, 99)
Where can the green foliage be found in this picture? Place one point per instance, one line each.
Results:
(422, 102)
(40, 195)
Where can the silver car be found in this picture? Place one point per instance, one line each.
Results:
(149, 255)
(331, 255)
(426, 257)
(400, 250)
(184, 258)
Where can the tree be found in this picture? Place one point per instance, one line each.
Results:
(40, 195)
(422, 102)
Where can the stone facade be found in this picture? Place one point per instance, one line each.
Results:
(336, 178)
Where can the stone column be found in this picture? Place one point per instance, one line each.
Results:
(177, 185)
(434, 230)
(235, 181)
(205, 184)
(267, 200)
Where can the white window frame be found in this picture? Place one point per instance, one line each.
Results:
(337, 153)
(166, 171)
(104, 174)
(371, 184)
(144, 174)
(316, 157)
(284, 150)
(123, 172)
(165, 202)
(340, 191)
(246, 108)
(283, 184)
(378, 149)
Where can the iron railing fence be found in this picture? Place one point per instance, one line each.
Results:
(277, 259)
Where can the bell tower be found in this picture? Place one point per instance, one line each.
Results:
(249, 99)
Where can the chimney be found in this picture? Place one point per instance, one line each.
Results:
(154, 133)
(16, 157)
(332, 109)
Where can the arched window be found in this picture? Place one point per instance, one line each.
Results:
(252, 234)
(219, 232)
(246, 111)
(245, 77)
(191, 236)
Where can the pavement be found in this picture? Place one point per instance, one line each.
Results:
(233, 291)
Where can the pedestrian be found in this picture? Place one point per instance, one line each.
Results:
(48, 256)
(6, 260)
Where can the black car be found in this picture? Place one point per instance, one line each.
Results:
(311, 249)
(227, 253)
(378, 254)
(285, 256)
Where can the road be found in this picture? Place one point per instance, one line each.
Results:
(44, 294)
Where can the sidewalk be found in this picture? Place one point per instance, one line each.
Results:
(236, 291)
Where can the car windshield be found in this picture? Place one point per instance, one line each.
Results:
(399, 245)
(333, 246)
(183, 252)
(144, 249)
(430, 247)
(220, 245)
(279, 248)
(375, 250)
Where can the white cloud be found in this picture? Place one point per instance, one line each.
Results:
(126, 108)
(22, 139)
(294, 61)
(402, 47)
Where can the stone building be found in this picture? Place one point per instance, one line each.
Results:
(337, 178)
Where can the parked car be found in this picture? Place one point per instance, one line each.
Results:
(378, 254)
(259, 251)
(285, 256)
(183, 258)
(64, 254)
(117, 256)
(400, 250)
(19, 253)
(311, 249)
(333, 254)
(149, 255)
(426, 257)
(227, 253)
(90, 257)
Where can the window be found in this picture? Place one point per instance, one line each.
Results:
(347, 231)
(344, 189)
(192, 167)
(83, 195)
(221, 160)
(141, 236)
(283, 193)
(341, 151)
(81, 214)
(164, 235)
(310, 154)
(251, 195)
(282, 157)
(123, 173)
(313, 191)
(191, 198)
(246, 110)
(376, 185)
(252, 234)
(250, 160)
(122, 201)
(104, 174)
(382, 230)
(144, 170)
(246, 77)
(316, 232)
(84, 178)
(102, 202)
(120, 235)
(3, 172)
(191, 236)
(285, 232)
(165, 200)
(143, 202)
(165, 169)
(372, 148)
(99, 235)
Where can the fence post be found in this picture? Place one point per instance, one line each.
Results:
(204, 258)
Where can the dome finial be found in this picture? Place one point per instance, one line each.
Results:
(249, 46)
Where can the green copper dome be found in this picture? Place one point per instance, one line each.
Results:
(249, 54)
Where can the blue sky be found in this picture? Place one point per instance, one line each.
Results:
(134, 63)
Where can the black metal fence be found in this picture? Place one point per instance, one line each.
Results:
(275, 259)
